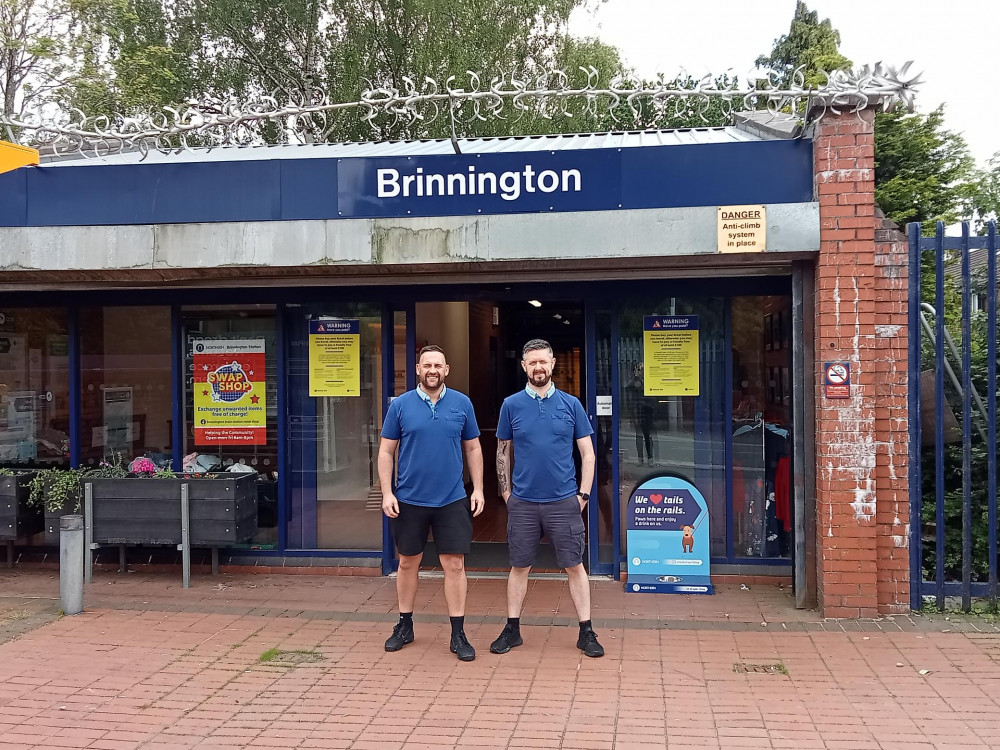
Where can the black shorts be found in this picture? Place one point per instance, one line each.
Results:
(451, 524)
(561, 522)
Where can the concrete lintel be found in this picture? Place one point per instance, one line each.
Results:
(792, 228)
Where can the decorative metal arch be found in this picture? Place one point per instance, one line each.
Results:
(307, 118)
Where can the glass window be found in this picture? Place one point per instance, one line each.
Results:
(231, 399)
(761, 429)
(34, 387)
(605, 506)
(125, 404)
(681, 435)
(336, 502)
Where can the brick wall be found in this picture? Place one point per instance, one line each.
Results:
(861, 442)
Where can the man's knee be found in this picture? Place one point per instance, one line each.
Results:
(408, 563)
(452, 564)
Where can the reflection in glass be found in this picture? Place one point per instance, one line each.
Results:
(125, 405)
(761, 429)
(34, 387)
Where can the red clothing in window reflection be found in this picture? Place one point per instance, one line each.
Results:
(783, 493)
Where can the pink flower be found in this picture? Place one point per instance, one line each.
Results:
(142, 465)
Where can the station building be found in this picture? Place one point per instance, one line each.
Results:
(119, 274)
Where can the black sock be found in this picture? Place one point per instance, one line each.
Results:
(457, 625)
(585, 625)
(406, 617)
(514, 623)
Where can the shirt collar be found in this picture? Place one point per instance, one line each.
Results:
(427, 399)
(531, 391)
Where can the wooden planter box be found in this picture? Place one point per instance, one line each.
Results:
(17, 518)
(148, 511)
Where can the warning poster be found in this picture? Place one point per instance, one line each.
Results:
(334, 357)
(230, 392)
(670, 355)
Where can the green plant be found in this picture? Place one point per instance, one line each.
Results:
(56, 489)
(270, 655)
(111, 467)
(6, 472)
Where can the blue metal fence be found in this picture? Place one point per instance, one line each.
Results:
(953, 474)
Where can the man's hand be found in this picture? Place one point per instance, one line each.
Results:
(506, 497)
(478, 502)
(583, 503)
(390, 506)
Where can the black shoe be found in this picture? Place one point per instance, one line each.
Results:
(461, 647)
(507, 639)
(401, 635)
(587, 642)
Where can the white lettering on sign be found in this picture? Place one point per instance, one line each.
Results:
(742, 229)
(508, 185)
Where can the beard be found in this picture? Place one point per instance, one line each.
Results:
(540, 379)
(431, 382)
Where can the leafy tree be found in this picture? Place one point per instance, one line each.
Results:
(811, 44)
(923, 172)
(38, 43)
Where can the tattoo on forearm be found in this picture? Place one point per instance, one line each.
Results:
(503, 468)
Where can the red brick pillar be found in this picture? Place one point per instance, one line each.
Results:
(861, 441)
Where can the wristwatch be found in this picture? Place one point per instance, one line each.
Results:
(584, 495)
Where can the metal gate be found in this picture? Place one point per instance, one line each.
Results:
(953, 416)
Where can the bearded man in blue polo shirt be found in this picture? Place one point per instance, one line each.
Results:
(432, 426)
(540, 425)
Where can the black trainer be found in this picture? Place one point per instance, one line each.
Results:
(587, 642)
(461, 647)
(401, 635)
(507, 639)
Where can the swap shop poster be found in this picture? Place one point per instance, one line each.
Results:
(230, 406)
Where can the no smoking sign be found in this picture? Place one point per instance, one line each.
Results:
(837, 379)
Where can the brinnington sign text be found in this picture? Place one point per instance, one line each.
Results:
(508, 185)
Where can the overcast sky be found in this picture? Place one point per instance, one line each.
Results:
(949, 42)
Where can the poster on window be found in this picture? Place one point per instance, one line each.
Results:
(230, 392)
(334, 357)
(670, 355)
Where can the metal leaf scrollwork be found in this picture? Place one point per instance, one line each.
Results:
(304, 117)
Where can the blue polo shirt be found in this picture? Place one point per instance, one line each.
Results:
(544, 429)
(430, 445)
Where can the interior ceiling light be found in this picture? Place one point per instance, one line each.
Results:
(557, 316)
(566, 322)
(534, 303)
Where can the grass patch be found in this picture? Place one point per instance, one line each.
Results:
(14, 615)
(292, 657)
(270, 655)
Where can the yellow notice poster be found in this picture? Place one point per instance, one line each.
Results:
(334, 357)
(670, 355)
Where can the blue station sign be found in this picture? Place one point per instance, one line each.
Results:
(214, 190)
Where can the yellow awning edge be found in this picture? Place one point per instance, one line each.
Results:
(13, 156)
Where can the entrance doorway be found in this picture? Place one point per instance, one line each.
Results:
(482, 340)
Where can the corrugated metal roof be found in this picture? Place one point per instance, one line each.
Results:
(624, 139)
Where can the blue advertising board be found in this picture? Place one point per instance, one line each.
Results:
(667, 538)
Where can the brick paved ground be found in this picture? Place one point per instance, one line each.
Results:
(150, 665)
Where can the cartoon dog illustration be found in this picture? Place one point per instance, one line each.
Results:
(687, 541)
